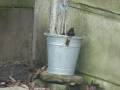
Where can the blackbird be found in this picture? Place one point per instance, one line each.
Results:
(71, 32)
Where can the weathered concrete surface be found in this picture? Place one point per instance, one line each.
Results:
(41, 24)
(16, 27)
(24, 3)
(111, 5)
(5, 3)
(99, 56)
(100, 50)
(16, 3)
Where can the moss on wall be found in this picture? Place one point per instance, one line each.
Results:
(111, 5)
(5, 3)
(16, 3)
(24, 3)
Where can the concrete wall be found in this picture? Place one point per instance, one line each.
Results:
(17, 3)
(16, 28)
(41, 25)
(99, 25)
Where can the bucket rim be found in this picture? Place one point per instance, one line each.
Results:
(57, 35)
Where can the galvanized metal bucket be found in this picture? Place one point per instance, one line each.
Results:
(63, 52)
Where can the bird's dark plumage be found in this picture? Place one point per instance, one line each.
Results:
(71, 32)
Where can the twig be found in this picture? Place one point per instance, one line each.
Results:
(12, 79)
